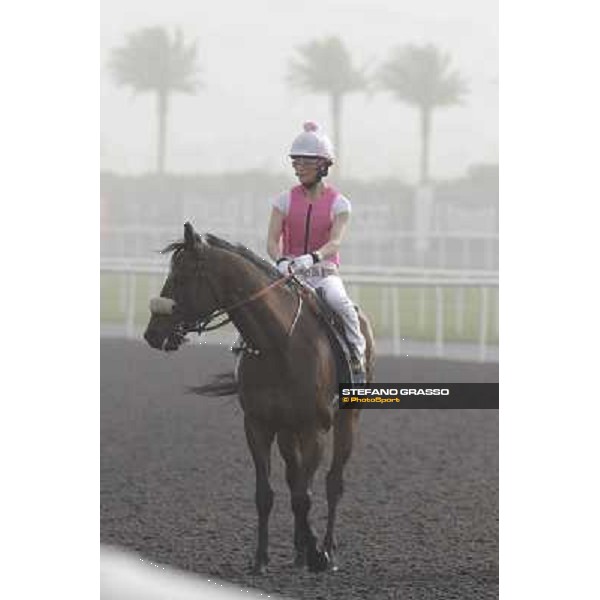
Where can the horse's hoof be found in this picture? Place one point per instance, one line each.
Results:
(332, 565)
(259, 567)
(318, 562)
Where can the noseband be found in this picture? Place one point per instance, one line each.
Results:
(201, 325)
(167, 306)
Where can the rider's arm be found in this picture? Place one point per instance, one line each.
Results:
(335, 238)
(274, 234)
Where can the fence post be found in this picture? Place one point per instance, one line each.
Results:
(483, 321)
(459, 296)
(130, 312)
(422, 291)
(439, 321)
(396, 340)
(496, 315)
(421, 313)
(122, 293)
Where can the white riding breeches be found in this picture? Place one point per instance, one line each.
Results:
(337, 298)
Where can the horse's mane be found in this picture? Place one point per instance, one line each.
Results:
(216, 242)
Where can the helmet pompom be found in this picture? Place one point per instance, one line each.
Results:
(311, 126)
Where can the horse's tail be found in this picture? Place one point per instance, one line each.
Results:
(222, 385)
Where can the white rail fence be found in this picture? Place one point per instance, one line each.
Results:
(390, 282)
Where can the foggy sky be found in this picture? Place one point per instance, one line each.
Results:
(245, 116)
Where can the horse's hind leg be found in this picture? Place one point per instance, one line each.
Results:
(259, 442)
(345, 424)
(302, 454)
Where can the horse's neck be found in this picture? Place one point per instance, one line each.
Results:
(264, 321)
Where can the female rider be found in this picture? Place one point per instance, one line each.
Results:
(305, 232)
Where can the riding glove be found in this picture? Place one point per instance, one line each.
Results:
(305, 261)
(283, 266)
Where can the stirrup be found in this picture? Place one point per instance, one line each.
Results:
(359, 374)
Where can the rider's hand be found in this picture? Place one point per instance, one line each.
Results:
(283, 266)
(305, 261)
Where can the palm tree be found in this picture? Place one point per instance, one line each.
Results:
(151, 62)
(325, 67)
(421, 76)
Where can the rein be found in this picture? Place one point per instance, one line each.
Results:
(201, 325)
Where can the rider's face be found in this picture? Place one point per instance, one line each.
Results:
(306, 168)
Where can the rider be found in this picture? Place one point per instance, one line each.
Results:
(305, 231)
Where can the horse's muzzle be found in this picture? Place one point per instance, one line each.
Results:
(154, 340)
(159, 330)
(162, 306)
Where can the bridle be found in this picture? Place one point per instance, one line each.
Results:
(203, 324)
(199, 325)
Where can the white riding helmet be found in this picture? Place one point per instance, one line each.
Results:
(311, 142)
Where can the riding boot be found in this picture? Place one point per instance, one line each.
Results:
(357, 364)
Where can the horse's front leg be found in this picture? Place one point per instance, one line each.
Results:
(259, 441)
(345, 424)
(302, 454)
(290, 451)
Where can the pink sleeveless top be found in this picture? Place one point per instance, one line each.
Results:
(307, 225)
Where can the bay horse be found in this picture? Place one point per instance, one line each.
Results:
(285, 380)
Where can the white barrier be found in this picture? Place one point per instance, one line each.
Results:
(391, 279)
(128, 576)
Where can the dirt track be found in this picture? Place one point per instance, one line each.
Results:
(419, 518)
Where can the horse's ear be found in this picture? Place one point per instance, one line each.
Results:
(189, 235)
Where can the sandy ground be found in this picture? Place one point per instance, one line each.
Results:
(419, 518)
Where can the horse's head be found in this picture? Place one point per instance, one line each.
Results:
(185, 298)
